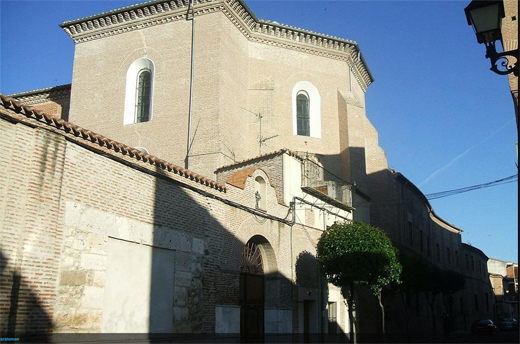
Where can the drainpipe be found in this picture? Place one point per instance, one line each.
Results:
(188, 145)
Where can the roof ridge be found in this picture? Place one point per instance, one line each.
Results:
(117, 147)
(39, 90)
(262, 156)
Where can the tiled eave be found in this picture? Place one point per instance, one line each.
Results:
(160, 12)
(43, 94)
(115, 148)
(262, 157)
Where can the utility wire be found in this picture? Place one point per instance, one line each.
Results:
(432, 196)
(390, 202)
(447, 193)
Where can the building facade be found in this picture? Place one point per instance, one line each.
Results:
(101, 237)
(504, 280)
(270, 125)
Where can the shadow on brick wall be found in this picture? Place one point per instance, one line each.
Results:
(26, 316)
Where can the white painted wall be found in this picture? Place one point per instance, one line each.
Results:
(139, 289)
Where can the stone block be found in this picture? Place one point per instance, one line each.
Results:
(181, 296)
(93, 261)
(96, 243)
(92, 298)
(180, 313)
(182, 261)
(76, 278)
(183, 279)
(198, 246)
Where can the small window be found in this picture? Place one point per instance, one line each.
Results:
(143, 92)
(302, 113)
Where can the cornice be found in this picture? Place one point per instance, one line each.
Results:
(271, 33)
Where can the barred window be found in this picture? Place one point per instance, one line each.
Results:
(306, 110)
(139, 92)
(143, 92)
(302, 113)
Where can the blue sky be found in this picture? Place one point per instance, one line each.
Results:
(444, 119)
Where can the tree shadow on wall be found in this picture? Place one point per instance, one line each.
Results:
(25, 317)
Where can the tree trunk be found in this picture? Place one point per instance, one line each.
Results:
(349, 297)
(382, 312)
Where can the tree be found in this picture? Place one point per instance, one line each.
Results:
(353, 254)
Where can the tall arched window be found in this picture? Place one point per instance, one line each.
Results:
(143, 92)
(139, 91)
(302, 114)
(306, 110)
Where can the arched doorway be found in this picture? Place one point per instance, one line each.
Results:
(251, 290)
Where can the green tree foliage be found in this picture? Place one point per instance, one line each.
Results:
(358, 254)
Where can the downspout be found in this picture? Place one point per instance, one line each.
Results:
(188, 145)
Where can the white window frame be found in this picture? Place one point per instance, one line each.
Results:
(131, 85)
(314, 108)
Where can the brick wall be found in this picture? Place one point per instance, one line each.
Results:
(31, 226)
(64, 198)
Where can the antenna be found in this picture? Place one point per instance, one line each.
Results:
(261, 139)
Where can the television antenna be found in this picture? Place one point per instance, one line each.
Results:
(261, 139)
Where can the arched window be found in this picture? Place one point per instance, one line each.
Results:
(139, 91)
(143, 92)
(306, 110)
(302, 114)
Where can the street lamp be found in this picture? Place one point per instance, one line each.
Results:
(486, 19)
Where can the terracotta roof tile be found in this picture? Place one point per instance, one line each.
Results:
(116, 147)
(238, 178)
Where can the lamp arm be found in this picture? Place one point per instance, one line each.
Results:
(506, 59)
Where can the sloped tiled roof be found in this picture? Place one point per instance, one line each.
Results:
(115, 148)
(58, 88)
(259, 158)
(238, 178)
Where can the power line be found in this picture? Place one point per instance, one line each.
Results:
(440, 194)
(447, 193)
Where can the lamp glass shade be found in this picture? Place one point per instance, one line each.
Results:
(486, 19)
